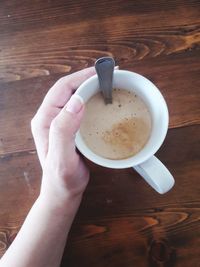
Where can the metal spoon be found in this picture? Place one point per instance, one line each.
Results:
(104, 68)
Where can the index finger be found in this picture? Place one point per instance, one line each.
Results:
(62, 90)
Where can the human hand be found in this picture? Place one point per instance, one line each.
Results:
(53, 127)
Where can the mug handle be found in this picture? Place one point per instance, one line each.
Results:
(156, 174)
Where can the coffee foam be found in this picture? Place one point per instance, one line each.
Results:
(118, 130)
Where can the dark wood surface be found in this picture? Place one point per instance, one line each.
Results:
(121, 221)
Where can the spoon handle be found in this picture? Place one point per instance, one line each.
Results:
(104, 68)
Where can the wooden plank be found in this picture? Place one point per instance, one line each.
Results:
(28, 66)
(23, 61)
(19, 186)
(19, 100)
(121, 219)
(33, 16)
(82, 37)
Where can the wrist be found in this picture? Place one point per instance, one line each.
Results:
(63, 185)
(55, 196)
(65, 205)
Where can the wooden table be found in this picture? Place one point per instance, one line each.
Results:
(122, 222)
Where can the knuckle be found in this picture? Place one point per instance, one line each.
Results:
(61, 81)
(65, 81)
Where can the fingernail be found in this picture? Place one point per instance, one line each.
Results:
(116, 67)
(75, 104)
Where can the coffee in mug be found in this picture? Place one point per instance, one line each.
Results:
(118, 130)
(111, 126)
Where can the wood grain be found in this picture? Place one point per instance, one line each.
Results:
(182, 96)
(85, 35)
(30, 16)
(121, 221)
(22, 60)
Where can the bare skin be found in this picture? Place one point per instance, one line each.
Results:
(41, 239)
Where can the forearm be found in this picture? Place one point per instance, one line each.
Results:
(41, 240)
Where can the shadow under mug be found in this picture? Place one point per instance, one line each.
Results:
(144, 162)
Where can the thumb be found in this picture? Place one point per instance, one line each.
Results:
(67, 122)
(62, 159)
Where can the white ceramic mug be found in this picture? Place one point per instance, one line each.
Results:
(144, 162)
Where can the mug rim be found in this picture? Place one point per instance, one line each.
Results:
(131, 161)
